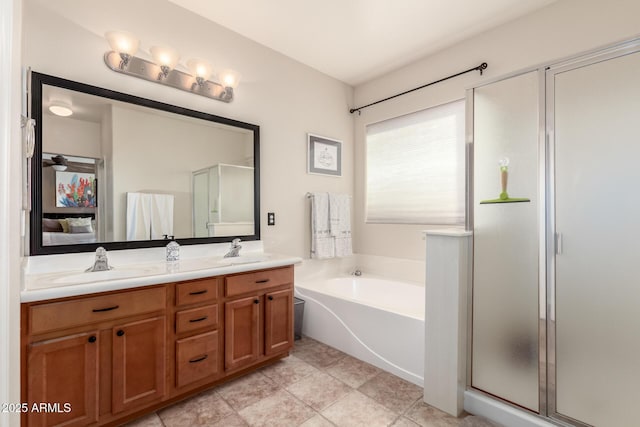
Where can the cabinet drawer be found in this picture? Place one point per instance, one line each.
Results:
(196, 358)
(197, 291)
(67, 314)
(256, 281)
(196, 318)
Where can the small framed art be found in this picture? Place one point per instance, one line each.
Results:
(324, 155)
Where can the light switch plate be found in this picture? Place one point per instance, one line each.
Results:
(271, 218)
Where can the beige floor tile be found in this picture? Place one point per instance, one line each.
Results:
(233, 420)
(392, 392)
(428, 416)
(358, 410)
(247, 390)
(404, 422)
(288, 371)
(352, 371)
(202, 410)
(317, 354)
(151, 420)
(319, 390)
(279, 410)
(317, 421)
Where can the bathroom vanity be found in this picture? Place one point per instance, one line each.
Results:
(107, 357)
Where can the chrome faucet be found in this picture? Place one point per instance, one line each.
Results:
(357, 272)
(235, 249)
(101, 263)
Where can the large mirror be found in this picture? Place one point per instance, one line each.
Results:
(119, 171)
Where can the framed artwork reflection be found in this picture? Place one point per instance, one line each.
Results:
(75, 190)
(324, 155)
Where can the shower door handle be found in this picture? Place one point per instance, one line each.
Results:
(558, 243)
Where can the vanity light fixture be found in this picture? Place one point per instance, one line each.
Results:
(60, 108)
(162, 69)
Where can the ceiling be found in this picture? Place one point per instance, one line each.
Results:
(357, 40)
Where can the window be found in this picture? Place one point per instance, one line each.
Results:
(415, 167)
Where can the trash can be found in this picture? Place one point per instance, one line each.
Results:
(298, 314)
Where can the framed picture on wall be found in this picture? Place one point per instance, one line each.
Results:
(75, 190)
(324, 155)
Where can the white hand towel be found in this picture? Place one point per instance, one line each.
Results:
(322, 243)
(340, 223)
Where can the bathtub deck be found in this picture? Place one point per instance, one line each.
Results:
(316, 386)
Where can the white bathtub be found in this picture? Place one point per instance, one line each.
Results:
(380, 321)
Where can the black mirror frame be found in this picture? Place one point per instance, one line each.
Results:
(35, 238)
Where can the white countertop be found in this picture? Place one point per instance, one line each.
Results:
(38, 286)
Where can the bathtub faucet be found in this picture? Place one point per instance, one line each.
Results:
(234, 250)
(357, 272)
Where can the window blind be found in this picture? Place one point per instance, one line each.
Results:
(415, 167)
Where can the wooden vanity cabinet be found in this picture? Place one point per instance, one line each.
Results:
(258, 316)
(114, 356)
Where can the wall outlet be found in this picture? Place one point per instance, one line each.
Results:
(271, 218)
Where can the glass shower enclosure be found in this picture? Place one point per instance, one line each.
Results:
(556, 302)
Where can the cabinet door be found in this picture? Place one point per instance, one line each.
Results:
(139, 353)
(63, 373)
(278, 330)
(242, 333)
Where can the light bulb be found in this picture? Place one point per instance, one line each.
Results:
(123, 43)
(229, 78)
(200, 69)
(165, 57)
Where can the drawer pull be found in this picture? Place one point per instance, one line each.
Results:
(199, 319)
(256, 301)
(270, 297)
(262, 281)
(204, 291)
(92, 339)
(198, 359)
(99, 310)
(120, 333)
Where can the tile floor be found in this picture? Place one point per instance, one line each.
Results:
(315, 386)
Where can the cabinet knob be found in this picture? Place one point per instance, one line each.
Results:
(270, 297)
(92, 339)
(120, 333)
(256, 301)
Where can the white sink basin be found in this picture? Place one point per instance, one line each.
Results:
(98, 276)
(247, 259)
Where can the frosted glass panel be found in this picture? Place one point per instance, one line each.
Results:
(597, 114)
(236, 201)
(200, 204)
(505, 276)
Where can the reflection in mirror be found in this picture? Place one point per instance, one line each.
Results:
(125, 172)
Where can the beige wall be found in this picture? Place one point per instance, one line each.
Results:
(564, 28)
(285, 98)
